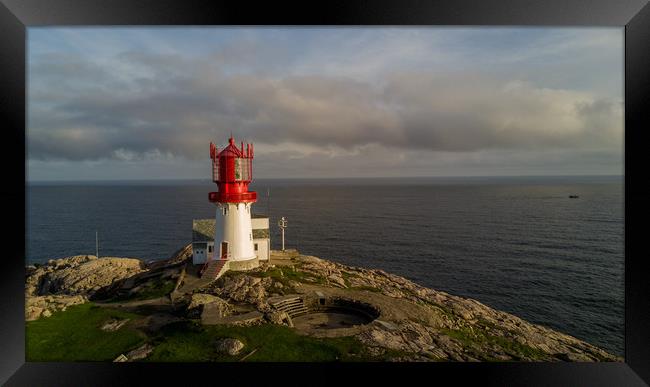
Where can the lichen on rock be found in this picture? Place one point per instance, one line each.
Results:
(229, 346)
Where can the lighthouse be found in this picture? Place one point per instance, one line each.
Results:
(232, 171)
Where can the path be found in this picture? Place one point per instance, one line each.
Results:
(161, 301)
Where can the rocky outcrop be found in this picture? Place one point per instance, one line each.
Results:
(45, 306)
(446, 326)
(198, 301)
(178, 257)
(73, 280)
(417, 322)
(243, 288)
(81, 274)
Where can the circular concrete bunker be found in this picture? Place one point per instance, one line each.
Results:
(321, 313)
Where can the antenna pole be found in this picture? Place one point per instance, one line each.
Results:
(96, 244)
(283, 224)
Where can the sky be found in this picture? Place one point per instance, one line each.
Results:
(144, 103)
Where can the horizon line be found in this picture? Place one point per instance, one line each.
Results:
(323, 178)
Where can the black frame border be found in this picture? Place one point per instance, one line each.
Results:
(17, 15)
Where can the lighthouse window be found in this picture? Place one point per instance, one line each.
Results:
(242, 169)
(255, 246)
(238, 169)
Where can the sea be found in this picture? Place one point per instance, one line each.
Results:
(518, 244)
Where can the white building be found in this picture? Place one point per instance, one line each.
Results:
(204, 230)
(261, 237)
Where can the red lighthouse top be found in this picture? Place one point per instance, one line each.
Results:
(232, 170)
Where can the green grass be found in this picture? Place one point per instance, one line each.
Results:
(75, 335)
(192, 342)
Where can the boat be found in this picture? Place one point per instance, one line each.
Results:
(573, 196)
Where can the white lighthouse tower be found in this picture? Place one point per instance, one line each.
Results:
(232, 171)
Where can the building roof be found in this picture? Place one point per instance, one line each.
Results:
(258, 216)
(203, 230)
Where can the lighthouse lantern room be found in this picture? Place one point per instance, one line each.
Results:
(232, 171)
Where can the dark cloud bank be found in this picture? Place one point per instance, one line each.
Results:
(171, 107)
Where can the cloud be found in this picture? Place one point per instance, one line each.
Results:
(137, 105)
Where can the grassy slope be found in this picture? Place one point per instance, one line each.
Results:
(75, 335)
(191, 342)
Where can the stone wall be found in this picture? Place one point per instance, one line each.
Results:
(243, 265)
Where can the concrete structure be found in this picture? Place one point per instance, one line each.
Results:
(202, 240)
(203, 231)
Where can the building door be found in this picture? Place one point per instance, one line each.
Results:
(199, 253)
(224, 250)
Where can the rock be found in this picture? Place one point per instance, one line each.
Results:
(33, 313)
(245, 288)
(266, 284)
(79, 275)
(230, 346)
(113, 325)
(35, 307)
(217, 305)
(263, 306)
(376, 351)
(337, 280)
(248, 319)
(576, 357)
(437, 353)
(121, 359)
(384, 339)
(279, 318)
(310, 259)
(140, 352)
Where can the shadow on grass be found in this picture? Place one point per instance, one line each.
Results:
(188, 341)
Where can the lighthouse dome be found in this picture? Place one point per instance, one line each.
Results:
(231, 150)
